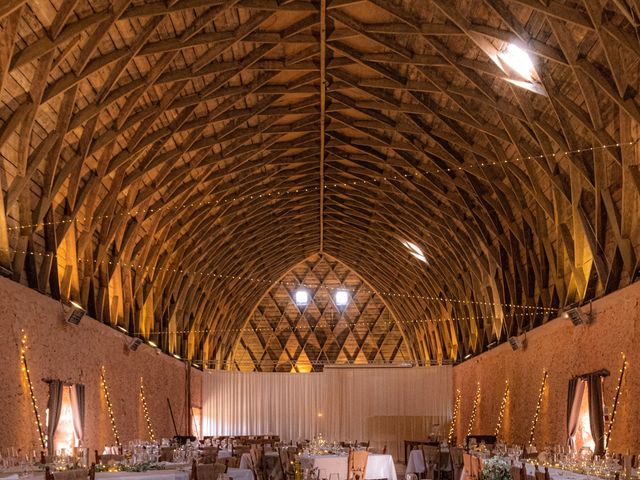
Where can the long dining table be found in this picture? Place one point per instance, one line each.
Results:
(167, 474)
(378, 466)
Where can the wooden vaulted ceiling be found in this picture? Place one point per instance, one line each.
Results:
(166, 161)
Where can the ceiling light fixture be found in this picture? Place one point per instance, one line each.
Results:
(342, 298)
(302, 297)
(519, 68)
(519, 61)
(415, 250)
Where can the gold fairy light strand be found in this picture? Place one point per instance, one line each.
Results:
(503, 407)
(107, 396)
(536, 415)
(234, 199)
(454, 416)
(474, 410)
(142, 268)
(616, 399)
(145, 409)
(27, 374)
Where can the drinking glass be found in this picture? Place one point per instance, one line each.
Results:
(334, 476)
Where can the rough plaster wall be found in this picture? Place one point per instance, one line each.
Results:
(75, 354)
(566, 351)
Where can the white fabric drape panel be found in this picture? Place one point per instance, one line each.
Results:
(238, 403)
(340, 403)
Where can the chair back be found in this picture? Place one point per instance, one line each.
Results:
(207, 471)
(111, 458)
(209, 455)
(466, 459)
(457, 461)
(285, 462)
(80, 474)
(357, 464)
(431, 455)
(542, 475)
(516, 473)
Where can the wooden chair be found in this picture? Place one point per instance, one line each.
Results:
(457, 461)
(377, 451)
(257, 461)
(230, 462)
(466, 460)
(431, 455)
(357, 464)
(207, 472)
(79, 474)
(209, 455)
(111, 458)
(542, 475)
(516, 473)
(286, 463)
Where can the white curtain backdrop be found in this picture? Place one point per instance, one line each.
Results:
(382, 405)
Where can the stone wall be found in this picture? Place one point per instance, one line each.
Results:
(565, 351)
(75, 354)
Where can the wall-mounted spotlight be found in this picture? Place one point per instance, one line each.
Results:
(577, 316)
(516, 343)
(134, 344)
(73, 312)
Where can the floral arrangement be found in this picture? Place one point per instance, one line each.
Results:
(121, 467)
(496, 468)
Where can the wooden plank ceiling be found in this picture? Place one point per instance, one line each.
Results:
(164, 162)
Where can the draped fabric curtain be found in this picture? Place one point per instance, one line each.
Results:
(285, 404)
(77, 407)
(574, 400)
(388, 405)
(596, 413)
(55, 406)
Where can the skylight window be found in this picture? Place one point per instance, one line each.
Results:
(415, 250)
(302, 297)
(519, 61)
(342, 298)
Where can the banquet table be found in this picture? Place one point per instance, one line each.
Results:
(415, 463)
(554, 473)
(182, 474)
(378, 466)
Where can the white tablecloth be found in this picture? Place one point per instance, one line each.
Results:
(235, 473)
(415, 463)
(378, 466)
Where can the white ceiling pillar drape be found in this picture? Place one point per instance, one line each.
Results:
(341, 403)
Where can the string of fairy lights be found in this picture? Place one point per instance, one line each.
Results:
(271, 283)
(27, 374)
(284, 326)
(536, 415)
(375, 182)
(107, 397)
(145, 410)
(616, 400)
(454, 416)
(503, 407)
(474, 410)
